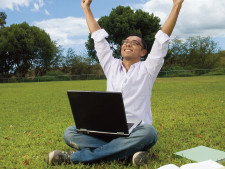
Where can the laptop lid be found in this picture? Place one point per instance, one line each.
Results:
(100, 113)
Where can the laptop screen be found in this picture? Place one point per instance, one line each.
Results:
(98, 111)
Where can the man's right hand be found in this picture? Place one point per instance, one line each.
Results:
(178, 1)
(85, 3)
(91, 22)
(170, 23)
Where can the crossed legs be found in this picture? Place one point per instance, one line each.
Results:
(92, 149)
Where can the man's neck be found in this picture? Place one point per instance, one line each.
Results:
(127, 64)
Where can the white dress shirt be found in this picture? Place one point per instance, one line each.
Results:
(136, 84)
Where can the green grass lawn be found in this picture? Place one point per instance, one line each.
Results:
(187, 112)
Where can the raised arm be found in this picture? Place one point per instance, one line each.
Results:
(172, 19)
(91, 22)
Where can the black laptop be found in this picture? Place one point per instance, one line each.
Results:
(100, 113)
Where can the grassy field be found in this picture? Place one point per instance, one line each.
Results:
(187, 112)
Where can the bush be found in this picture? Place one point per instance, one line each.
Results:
(52, 76)
(54, 73)
(216, 72)
(175, 67)
(185, 73)
(177, 71)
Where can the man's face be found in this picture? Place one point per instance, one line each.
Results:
(132, 49)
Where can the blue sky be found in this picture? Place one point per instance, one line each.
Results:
(64, 20)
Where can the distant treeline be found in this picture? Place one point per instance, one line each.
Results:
(28, 51)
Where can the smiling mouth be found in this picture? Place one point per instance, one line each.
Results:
(128, 50)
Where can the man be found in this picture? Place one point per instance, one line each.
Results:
(132, 77)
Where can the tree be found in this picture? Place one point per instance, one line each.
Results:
(75, 64)
(221, 63)
(68, 60)
(197, 52)
(202, 52)
(3, 17)
(177, 54)
(23, 47)
(57, 61)
(122, 22)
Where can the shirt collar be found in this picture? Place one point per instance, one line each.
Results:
(131, 67)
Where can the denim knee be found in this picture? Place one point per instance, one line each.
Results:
(68, 133)
(151, 131)
(148, 134)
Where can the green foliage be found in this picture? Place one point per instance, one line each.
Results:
(187, 112)
(76, 64)
(121, 23)
(54, 73)
(58, 58)
(49, 78)
(23, 47)
(197, 52)
(177, 71)
(52, 76)
(175, 67)
(221, 62)
(3, 17)
(216, 72)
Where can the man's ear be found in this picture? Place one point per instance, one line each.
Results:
(144, 52)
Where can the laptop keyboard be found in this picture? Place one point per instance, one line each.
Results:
(129, 125)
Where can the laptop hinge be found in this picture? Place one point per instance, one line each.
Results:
(120, 133)
(83, 130)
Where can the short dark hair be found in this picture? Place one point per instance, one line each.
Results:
(142, 40)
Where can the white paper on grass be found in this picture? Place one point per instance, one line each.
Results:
(209, 164)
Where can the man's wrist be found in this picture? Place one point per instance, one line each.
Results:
(178, 4)
(86, 7)
(177, 7)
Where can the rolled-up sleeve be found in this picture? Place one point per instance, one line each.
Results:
(155, 59)
(160, 45)
(103, 50)
(99, 35)
(162, 37)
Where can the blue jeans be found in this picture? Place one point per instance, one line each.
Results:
(91, 149)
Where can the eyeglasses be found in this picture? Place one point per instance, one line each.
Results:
(133, 43)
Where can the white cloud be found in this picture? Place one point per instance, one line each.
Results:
(36, 7)
(66, 31)
(46, 12)
(14, 4)
(197, 17)
(41, 3)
